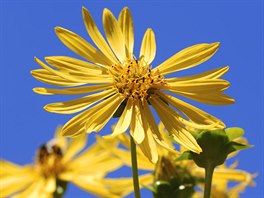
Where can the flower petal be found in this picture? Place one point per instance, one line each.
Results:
(72, 91)
(14, 178)
(76, 125)
(96, 36)
(50, 185)
(34, 190)
(148, 147)
(47, 77)
(148, 46)
(173, 126)
(211, 74)
(124, 186)
(77, 77)
(126, 24)
(125, 119)
(81, 47)
(203, 86)
(137, 129)
(188, 57)
(74, 65)
(195, 114)
(103, 115)
(114, 35)
(215, 98)
(154, 128)
(76, 105)
(92, 186)
(76, 145)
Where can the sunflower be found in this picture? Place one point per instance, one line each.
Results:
(167, 169)
(56, 164)
(116, 83)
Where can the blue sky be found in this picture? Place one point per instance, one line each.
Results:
(27, 30)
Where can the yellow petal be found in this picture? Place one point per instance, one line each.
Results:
(125, 119)
(76, 105)
(154, 128)
(126, 24)
(198, 86)
(76, 77)
(47, 77)
(74, 65)
(148, 46)
(81, 47)
(34, 190)
(215, 98)
(99, 119)
(137, 129)
(92, 186)
(96, 36)
(124, 186)
(211, 74)
(149, 148)
(7, 167)
(188, 57)
(76, 125)
(173, 126)
(50, 185)
(76, 145)
(72, 91)
(114, 35)
(195, 114)
(232, 175)
(95, 158)
(59, 140)
(99, 162)
(14, 178)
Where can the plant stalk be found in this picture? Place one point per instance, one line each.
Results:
(209, 171)
(134, 167)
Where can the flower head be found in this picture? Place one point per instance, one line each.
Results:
(55, 165)
(116, 83)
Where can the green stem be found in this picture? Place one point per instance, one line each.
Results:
(61, 187)
(134, 167)
(209, 171)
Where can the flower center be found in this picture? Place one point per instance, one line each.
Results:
(134, 78)
(49, 160)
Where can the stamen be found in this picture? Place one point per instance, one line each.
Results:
(134, 78)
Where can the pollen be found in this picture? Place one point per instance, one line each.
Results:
(48, 160)
(134, 78)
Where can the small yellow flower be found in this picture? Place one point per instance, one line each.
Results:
(115, 81)
(58, 161)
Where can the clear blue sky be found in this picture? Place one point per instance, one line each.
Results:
(26, 30)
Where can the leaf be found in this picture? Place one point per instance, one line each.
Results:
(151, 188)
(187, 155)
(234, 132)
(235, 146)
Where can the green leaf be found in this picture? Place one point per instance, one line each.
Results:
(185, 156)
(235, 146)
(151, 188)
(234, 132)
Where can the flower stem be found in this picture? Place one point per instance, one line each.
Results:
(134, 167)
(209, 171)
(61, 187)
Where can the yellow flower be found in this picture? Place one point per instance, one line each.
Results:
(57, 161)
(115, 81)
(222, 174)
